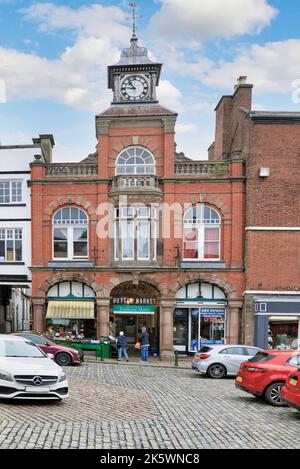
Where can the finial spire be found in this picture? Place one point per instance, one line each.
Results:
(134, 7)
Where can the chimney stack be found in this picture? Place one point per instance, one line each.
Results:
(46, 142)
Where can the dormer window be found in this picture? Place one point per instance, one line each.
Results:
(135, 160)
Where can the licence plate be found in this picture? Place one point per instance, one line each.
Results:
(239, 379)
(37, 389)
(293, 382)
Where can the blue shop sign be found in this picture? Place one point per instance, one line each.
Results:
(212, 312)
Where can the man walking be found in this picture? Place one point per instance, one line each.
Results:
(122, 346)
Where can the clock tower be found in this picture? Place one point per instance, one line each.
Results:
(135, 77)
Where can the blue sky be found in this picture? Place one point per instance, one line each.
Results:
(53, 58)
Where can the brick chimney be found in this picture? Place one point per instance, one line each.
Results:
(228, 117)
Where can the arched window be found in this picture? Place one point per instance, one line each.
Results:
(135, 160)
(201, 234)
(70, 234)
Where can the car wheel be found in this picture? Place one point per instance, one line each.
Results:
(217, 371)
(272, 394)
(63, 359)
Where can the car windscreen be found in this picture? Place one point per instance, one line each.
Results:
(19, 349)
(261, 357)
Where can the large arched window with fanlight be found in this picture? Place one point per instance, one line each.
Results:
(70, 234)
(201, 234)
(135, 160)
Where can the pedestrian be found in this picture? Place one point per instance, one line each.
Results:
(122, 346)
(144, 339)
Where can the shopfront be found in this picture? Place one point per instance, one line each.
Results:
(277, 323)
(71, 311)
(199, 317)
(132, 308)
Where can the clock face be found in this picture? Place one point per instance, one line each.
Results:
(134, 88)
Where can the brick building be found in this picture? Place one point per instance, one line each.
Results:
(268, 143)
(137, 234)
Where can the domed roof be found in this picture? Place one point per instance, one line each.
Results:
(134, 55)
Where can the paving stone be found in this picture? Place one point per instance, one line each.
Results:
(147, 407)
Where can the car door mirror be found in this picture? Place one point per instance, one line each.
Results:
(50, 355)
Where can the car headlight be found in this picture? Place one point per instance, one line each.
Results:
(63, 377)
(6, 376)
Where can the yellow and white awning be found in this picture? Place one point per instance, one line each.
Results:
(71, 310)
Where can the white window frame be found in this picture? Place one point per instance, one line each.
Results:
(199, 225)
(124, 156)
(19, 199)
(70, 236)
(17, 235)
(134, 217)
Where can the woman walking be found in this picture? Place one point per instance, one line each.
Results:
(122, 346)
(144, 339)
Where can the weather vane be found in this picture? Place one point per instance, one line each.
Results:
(134, 18)
(134, 7)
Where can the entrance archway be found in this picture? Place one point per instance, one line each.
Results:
(133, 307)
(71, 310)
(199, 317)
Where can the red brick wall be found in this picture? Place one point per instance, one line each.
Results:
(273, 257)
(273, 260)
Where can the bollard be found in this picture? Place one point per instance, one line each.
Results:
(101, 351)
(176, 357)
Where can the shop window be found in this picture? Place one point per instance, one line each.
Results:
(70, 234)
(201, 234)
(135, 160)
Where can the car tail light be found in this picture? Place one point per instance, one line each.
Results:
(203, 356)
(253, 369)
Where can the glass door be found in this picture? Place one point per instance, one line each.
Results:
(180, 329)
(194, 343)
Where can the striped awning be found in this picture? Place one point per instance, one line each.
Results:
(71, 310)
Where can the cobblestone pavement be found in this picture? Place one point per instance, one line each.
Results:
(113, 406)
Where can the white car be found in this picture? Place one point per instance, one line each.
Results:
(26, 372)
(219, 361)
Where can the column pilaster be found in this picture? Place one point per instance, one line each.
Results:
(166, 329)
(103, 305)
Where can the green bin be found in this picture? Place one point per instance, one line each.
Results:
(105, 344)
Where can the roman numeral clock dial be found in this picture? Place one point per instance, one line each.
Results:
(134, 88)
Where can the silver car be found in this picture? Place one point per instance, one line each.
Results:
(219, 361)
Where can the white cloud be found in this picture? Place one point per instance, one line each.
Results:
(169, 95)
(77, 78)
(187, 128)
(198, 19)
(94, 20)
(271, 67)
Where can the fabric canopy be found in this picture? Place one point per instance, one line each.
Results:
(71, 310)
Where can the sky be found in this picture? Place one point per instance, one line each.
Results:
(54, 57)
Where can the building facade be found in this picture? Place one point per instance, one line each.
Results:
(138, 235)
(15, 234)
(269, 143)
(172, 257)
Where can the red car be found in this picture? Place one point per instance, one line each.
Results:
(63, 356)
(290, 393)
(265, 374)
